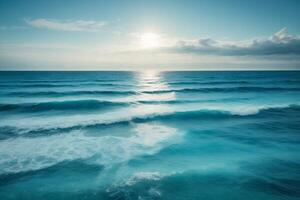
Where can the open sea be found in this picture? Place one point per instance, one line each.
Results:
(150, 135)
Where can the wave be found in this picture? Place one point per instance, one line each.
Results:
(83, 105)
(230, 82)
(207, 83)
(217, 113)
(69, 93)
(92, 104)
(55, 85)
(130, 92)
(77, 165)
(191, 101)
(37, 153)
(225, 89)
(201, 114)
(60, 81)
(48, 85)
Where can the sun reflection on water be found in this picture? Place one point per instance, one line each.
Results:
(153, 81)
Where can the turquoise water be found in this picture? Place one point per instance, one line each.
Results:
(150, 135)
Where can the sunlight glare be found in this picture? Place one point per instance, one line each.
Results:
(150, 40)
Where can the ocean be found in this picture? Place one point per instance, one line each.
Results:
(150, 135)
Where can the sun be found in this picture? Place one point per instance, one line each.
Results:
(150, 40)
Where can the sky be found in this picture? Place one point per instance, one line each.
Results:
(149, 35)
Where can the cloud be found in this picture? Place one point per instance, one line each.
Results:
(278, 44)
(173, 54)
(67, 25)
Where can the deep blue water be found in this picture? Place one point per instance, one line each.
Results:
(150, 135)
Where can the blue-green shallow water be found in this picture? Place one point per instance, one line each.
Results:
(151, 135)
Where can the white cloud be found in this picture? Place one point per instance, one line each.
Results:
(67, 25)
(278, 44)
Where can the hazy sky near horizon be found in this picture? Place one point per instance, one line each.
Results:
(139, 35)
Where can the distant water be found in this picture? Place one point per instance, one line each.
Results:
(151, 135)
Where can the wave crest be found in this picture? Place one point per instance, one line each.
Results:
(84, 105)
(37, 153)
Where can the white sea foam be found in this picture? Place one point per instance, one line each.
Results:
(61, 121)
(126, 114)
(139, 176)
(24, 154)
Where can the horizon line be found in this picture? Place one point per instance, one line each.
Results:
(187, 70)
